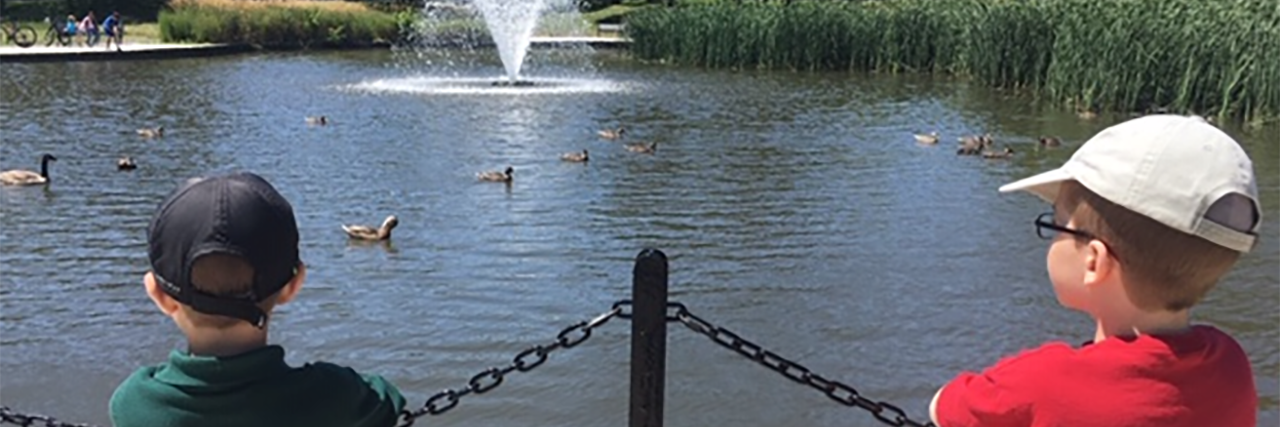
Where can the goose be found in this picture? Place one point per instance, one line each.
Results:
(612, 133)
(156, 132)
(930, 138)
(126, 163)
(1050, 141)
(495, 176)
(26, 177)
(1004, 154)
(317, 120)
(362, 232)
(575, 157)
(643, 148)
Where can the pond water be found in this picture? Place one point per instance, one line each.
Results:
(795, 208)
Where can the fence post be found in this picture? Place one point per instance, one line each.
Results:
(648, 338)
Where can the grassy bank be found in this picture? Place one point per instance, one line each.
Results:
(308, 24)
(1212, 57)
(279, 24)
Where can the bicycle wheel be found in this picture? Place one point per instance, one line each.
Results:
(25, 36)
(64, 38)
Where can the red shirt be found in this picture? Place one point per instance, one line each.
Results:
(1196, 379)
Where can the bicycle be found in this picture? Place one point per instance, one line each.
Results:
(20, 34)
(57, 32)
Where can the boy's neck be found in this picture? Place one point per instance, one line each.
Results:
(227, 342)
(1142, 323)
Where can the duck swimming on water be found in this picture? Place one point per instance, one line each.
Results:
(363, 232)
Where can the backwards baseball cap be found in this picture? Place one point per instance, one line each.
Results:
(1177, 170)
(238, 214)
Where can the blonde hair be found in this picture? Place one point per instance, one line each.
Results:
(223, 275)
(1163, 268)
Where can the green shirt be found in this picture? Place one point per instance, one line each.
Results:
(256, 388)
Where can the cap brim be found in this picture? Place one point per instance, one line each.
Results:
(1045, 185)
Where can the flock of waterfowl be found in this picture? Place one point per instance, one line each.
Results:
(27, 177)
(124, 163)
(982, 145)
(506, 176)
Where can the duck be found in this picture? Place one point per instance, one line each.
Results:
(317, 120)
(649, 148)
(495, 176)
(26, 177)
(1050, 141)
(362, 232)
(575, 157)
(972, 145)
(612, 133)
(126, 163)
(1003, 154)
(1086, 115)
(156, 132)
(929, 138)
(983, 140)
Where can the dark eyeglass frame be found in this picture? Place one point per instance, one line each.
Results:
(1045, 221)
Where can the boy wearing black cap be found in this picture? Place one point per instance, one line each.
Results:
(224, 253)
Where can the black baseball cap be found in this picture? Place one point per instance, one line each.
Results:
(237, 214)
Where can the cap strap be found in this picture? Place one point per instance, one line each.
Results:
(210, 304)
(240, 309)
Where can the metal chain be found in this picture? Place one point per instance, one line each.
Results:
(488, 379)
(836, 390)
(8, 416)
(579, 332)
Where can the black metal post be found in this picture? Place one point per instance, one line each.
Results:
(648, 338)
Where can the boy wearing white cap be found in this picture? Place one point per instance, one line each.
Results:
(1147, 216)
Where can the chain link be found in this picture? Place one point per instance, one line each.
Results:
(836, 390)
(8, 416)
(576, 334)
(490, 378)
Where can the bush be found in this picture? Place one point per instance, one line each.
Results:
(278, 25)
(36, 10)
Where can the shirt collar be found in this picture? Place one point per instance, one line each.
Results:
(184, 369)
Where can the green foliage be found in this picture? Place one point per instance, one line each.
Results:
(615, 13)
(1212, 57)
(391, 6)
(280, 27)
(36, 10)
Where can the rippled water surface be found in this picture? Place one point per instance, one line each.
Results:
(795, 208)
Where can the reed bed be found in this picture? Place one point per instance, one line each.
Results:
(279, 24)
(1209, 57)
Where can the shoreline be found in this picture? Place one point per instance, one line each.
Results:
(141, 51)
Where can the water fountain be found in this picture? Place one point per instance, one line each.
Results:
(511, 24)
(454, 41)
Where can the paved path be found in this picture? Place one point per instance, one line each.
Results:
(595, 42)
(10, 53)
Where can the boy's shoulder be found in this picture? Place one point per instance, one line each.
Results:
(272, 390)
(1133, 378)
(1128, 351)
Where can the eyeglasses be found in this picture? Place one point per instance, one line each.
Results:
(1047, 229)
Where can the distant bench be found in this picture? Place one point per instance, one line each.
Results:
(615, 29)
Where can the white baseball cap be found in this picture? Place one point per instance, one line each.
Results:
(1178, 170)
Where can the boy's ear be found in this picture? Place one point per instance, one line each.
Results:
(164, 302)
(290, 289)
(1100, 262)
